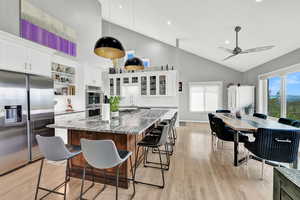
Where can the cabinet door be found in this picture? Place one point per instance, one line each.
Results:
(144, 85)
(153, 87)
(39, 63)
(135, 79)
(162, 85)
(118, 86)
(111, 87)
(125, 80)
(15, 57)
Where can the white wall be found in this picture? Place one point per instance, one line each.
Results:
(191, 68)
(84, 16)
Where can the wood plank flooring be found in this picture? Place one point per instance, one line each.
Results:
(196, 173)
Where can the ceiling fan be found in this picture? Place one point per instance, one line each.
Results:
(237, 50)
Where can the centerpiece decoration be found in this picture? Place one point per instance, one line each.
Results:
(114, 106)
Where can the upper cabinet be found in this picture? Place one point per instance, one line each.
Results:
(153, 83)
(20, 55)
(39, 63)
(93, 76)
(14, 57)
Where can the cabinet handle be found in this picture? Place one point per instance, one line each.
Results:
(25, 66)
(30, 67)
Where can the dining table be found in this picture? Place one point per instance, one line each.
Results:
(248, 124)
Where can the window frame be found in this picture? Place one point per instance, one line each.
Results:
(214, 83)
(263, 89)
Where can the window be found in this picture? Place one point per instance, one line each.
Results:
(205, 97)
(293, 95)
(279, 93)
(274, 103)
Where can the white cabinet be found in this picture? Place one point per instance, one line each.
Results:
(93, 76)
(20, 55)
(14, 57)
(153, 83)
(39, 63)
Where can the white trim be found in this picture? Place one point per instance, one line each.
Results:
(280, 72)
(220, 98)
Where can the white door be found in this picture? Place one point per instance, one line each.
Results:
(40, 63)
(14, 57)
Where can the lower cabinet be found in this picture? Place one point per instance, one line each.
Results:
(286, 184)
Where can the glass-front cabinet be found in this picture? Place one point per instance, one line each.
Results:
(111, 87)
(126, 80)
(135, 79)
(118, 86)
(148, 83)
(144, 85)
(162, 85)
(153, 88)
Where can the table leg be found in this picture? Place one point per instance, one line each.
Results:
(236, 148)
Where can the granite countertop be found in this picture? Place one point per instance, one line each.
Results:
(129, 122)
(58, 113)
(292, 174)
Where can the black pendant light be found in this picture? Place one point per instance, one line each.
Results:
(109, 47)
(134, 64)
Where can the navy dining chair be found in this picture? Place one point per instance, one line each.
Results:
(259, 115)
(277, 145)
(286, 121)
(223, 111)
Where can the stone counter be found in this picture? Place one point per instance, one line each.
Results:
(129, 122)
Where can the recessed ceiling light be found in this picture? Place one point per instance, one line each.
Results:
(258, 1)
(227, 42)
(169, 22)
(120, 6)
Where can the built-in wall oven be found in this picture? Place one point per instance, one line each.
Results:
(94, 99)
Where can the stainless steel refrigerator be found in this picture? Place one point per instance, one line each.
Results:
(26, 108)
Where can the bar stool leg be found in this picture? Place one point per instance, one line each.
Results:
(39, 179)
(162, 169)
(117, 181)
(66, 179)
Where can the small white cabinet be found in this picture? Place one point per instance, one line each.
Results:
(14, 57)
(93, 76)
(39, 63)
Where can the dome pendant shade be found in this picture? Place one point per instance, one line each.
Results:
(109, 47)
(134, 64)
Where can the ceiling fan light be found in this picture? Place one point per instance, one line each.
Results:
(134, 64)
(109, 47)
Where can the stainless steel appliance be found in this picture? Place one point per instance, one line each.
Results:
(94, 99)
(26, 107)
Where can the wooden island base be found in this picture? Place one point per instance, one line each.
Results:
(123, 142)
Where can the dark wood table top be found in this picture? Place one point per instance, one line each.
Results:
(250, 123)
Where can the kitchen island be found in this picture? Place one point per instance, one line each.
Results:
(126, 131)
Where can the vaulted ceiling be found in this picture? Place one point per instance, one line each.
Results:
(204, 25)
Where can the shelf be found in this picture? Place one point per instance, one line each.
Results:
(63, 73)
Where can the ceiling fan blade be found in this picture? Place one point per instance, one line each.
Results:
(230, 57)
(258, 49)
(226, 49)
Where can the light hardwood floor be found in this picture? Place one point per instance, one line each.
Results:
(196, 173)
